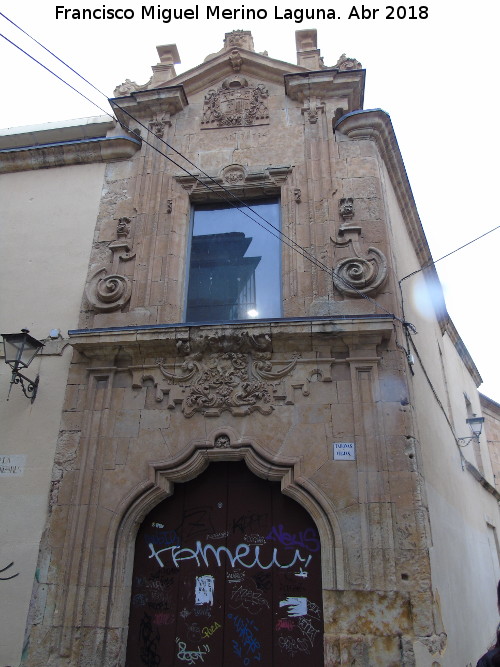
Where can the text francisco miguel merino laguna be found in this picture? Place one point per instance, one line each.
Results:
(168, 14)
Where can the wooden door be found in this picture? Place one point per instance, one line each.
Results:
(227, 573)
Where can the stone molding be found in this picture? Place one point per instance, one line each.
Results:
(194, 460)
(239, 179)
(65, 153)
(327, 84)
(375, 125)
(292, 336)
(157, 103)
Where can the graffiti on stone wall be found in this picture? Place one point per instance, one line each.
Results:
(10, 576)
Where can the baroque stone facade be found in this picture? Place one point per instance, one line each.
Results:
(152, 401)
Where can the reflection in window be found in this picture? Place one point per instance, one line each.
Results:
(234, 269)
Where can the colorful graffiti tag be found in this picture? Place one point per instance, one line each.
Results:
(226, 572)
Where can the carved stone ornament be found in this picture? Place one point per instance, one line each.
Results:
(236, 60)
(363, 273)
(127, 87)
(237, 178)
(297, 195)
(356, 276)
(157, 126)
(312, 108)
(241, 38)
(346, 64)
(222, 441)
(346, 206)
(235, 103)
(123, 228)
(106, 292)
(233, 373)
(233, 174)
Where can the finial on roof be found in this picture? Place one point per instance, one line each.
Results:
(308, 55)
(239, 38)
(344, 63)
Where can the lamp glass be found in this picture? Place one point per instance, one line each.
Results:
(20, 348)
(476, 424)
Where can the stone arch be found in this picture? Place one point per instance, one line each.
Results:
(188, 465)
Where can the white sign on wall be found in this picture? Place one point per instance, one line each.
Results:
(344, 451)
(12, 465)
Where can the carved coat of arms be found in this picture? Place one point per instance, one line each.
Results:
(236, 103)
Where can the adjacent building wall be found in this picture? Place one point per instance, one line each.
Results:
(48, 220)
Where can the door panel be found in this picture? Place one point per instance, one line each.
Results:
(227, 572)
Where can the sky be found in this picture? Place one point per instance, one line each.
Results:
(435, 74)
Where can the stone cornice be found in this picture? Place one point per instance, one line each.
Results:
(299, 335)
(66, 153)
(76, 129)
(489, 404)
(375, 125)
(250, 64)
(458, 343)
(266, 181)
(326, 84)
(149, 104)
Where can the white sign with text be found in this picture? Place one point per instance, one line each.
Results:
(344, 451)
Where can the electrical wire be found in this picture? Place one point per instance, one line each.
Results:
(239, 203)
(56, 75)
(449, 253)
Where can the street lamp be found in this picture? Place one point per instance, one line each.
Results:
(476, 426)
(20, 350)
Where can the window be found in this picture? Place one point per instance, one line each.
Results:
(234, 267)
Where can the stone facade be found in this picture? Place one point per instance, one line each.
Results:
(151, 401)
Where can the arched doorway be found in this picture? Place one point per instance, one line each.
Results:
(227, 573)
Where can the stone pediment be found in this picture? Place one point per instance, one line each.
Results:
(234, 61)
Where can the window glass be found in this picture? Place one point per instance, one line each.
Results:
(234, 268)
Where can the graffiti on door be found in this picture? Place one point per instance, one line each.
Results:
(226, 572)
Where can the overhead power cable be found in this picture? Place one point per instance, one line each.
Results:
(449, 253)
(56, 75)
(237, 203)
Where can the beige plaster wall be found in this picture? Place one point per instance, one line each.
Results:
(463, 515)
(48, 220)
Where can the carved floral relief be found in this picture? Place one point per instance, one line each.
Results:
(234, 373)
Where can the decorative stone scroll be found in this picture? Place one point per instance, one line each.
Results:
(358, 275)
(345, 64)
(107, 292)
(236, 103)
(232, 373)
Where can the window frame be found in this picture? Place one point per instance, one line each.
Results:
(213, 205)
